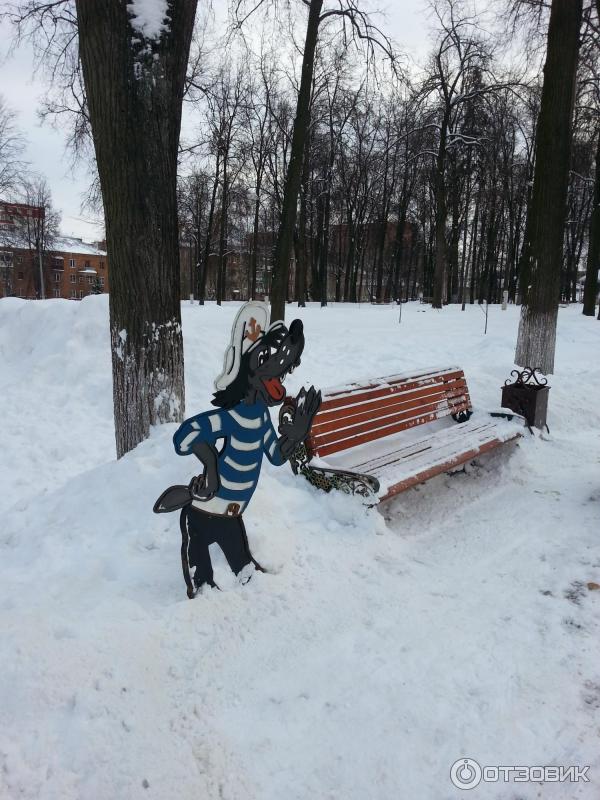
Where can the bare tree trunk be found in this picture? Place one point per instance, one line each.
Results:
(440, 222)
(400, 230)
(221, 274)
(590, 290)
(540, 273)
(134, 87)
(317, 239)
(195, 274)
(285, 236)
(301, 249)
(452, 277)
(208, 240)
(473, 249)
(255, 230)
(324, 260)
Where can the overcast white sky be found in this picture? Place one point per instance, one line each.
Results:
(406, 21)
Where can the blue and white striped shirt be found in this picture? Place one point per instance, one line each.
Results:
(247, 432)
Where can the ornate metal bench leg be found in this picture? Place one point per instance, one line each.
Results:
(327, 479)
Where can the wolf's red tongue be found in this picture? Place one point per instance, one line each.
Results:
(274, 387)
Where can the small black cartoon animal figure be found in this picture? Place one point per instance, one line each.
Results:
(231, 441)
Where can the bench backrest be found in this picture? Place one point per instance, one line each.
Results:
(361, 412)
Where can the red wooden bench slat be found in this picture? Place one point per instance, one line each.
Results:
(344, 444)
(344, 429)
(349, 417)
(350, 389)
(388, 404)
(374, 390)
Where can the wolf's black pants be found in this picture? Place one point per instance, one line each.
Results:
(199, 530)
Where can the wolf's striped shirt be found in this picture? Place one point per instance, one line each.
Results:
(247, 432)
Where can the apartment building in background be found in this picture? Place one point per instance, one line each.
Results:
(70, 268)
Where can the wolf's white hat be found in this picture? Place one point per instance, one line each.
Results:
(250, 325)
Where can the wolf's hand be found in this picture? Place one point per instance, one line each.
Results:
(201, 489)
(205, 487)
(306, 406)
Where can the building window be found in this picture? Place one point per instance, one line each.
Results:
(20, 276)
(72, 263)
(87, 265)
(73, 292)
(90, 278)
(81, 294)
(102, 265)
(81, 279)
(56, 277)
(19, 259)
(57, 293)
(101, 279)
(73, 278)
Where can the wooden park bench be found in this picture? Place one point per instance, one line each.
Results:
(382, 436)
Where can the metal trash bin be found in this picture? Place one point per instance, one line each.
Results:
(528, 396)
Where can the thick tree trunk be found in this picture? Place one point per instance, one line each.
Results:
(195, 275)
(255, 230)
(540, 271)
(301, 251)
(382, 232)
(590, 291)
(399, 243)
(441, 212)
(324, 260)
(452, 290)
(222, 269)
(134, 87)
(474, 250)
(349, 257)
(285, 236)
(208, 240)
(379, 256)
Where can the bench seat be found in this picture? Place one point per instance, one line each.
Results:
(399, 464)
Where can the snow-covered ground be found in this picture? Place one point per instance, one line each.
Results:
(454, 622)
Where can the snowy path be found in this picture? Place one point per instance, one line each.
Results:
(380, 649)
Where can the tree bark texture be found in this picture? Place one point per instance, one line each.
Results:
(208, 240)
(285, 236)
(441, 212)
(590, 290)
(134, 87)
(540, 268)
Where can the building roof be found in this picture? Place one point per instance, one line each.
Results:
(70, 244)
(11, 237)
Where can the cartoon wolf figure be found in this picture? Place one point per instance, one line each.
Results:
(231, 441)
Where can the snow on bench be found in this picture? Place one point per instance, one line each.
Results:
(399, 431)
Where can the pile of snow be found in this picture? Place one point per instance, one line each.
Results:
(381, 647)
(148, 17)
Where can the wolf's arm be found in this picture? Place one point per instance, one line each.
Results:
(208, 485)
(198, 435)
(272, 447)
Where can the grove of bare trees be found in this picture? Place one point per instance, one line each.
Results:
(412, 183)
